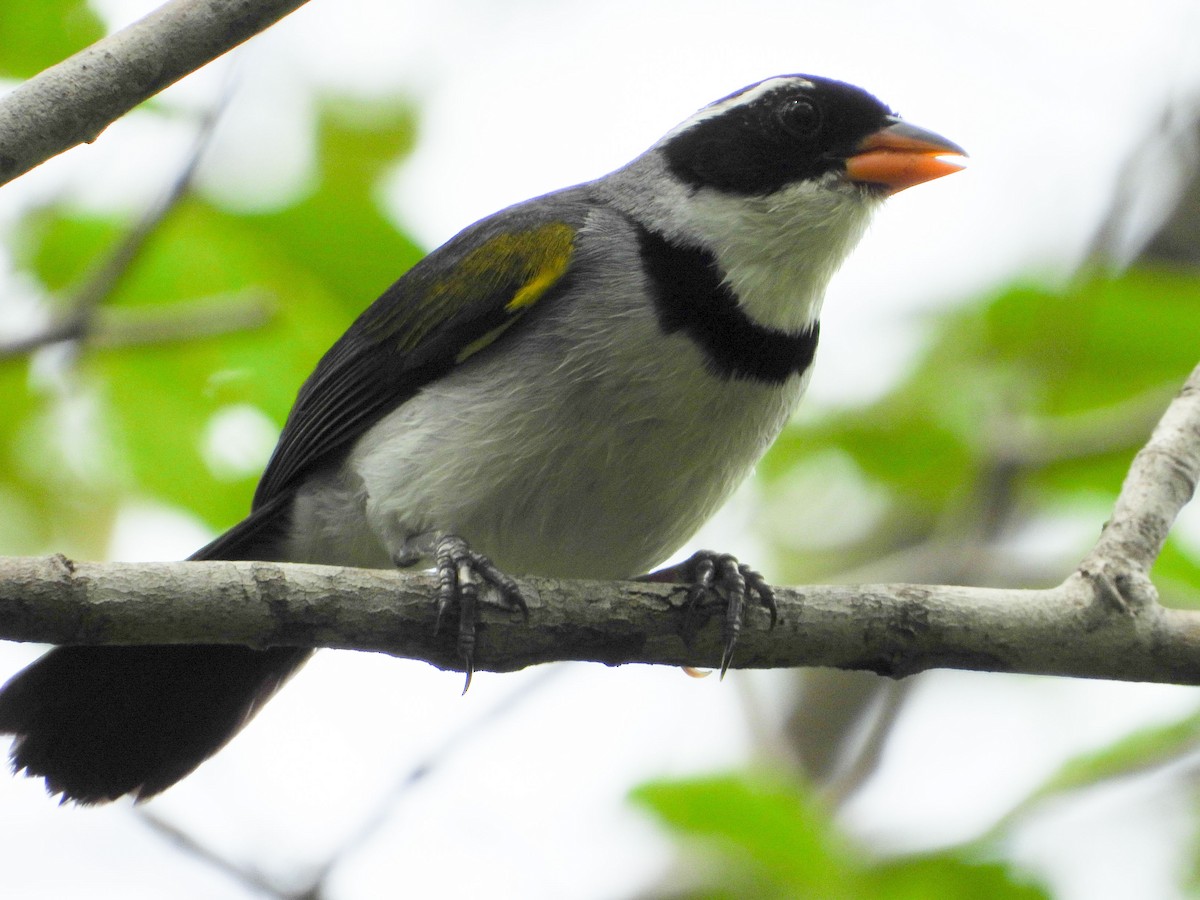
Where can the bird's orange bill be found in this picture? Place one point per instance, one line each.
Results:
(902, 155)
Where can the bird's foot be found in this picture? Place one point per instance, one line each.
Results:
(461, 574)
(718, 578)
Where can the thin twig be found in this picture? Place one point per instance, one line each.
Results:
(246, 876)
(421, 771)
(76, 324)
(185, 321)
(316, 885)
(188, 320)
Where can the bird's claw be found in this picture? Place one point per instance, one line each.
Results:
(720, 578)
(461, 573)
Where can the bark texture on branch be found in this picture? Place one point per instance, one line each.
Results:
(73, 102)
(891, 629)
(1104, 621)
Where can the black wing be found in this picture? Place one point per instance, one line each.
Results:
(449, 306)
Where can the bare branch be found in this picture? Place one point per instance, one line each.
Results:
(315, 884)
(890, 629)
(1161, 480)
(73, 102)
(389, 801)
(1102, 622)
(186, 320)
(243, 874)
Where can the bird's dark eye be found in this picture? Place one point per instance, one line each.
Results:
(799, 118)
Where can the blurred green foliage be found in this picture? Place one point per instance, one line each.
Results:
(320, 261)
(36, 35)
(1023, 403)
(1042, 394)
(762, 837)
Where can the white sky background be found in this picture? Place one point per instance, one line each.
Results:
(517, 99)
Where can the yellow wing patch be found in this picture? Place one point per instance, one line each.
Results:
(527, 263)
(536, 286)
(538, 257)
(555, 245)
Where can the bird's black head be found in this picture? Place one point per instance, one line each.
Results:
(779, 131)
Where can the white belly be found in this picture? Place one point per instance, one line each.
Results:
(591, 474)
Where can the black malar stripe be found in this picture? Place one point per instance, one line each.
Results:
(690, 295)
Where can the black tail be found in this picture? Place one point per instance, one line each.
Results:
(101, 722)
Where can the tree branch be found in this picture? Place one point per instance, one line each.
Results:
(184, 320)
(86, 319)
(892, 629)
(1102, 622)
(1161, 481)
(73, 102)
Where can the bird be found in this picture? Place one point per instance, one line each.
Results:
(568, 388)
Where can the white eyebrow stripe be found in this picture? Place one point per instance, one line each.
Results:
(746, 97)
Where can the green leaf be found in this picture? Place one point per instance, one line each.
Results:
(904, 449)
(1099, 341)
(770, 829)
(766, 836)
(1140, 751)
(37, 35)
(947, 877)
(1137, 752)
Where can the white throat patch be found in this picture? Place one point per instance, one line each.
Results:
(780, 251)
